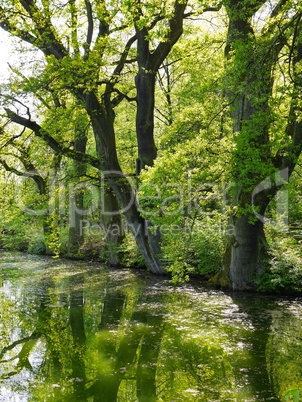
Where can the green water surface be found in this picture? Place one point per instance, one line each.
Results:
(74, 331)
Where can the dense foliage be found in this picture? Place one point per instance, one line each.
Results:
(158, 134)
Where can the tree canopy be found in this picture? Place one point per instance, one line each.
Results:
(178, 124)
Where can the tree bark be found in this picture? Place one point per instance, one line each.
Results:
(149, 62)
(100, 109)
(148, 241)
(76, 236)
(113, 225)
(147, 237)
(251, 64)
(246, 254)
(145, 88)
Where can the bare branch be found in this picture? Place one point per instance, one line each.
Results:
(13, 138)
(9, 168)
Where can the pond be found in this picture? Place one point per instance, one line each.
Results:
(77, 331)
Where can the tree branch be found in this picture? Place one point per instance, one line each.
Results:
(13, 30)
(124, 55)
(278, 7)
(12, 139)
(44, 36)
(176, 29)
(11, 168)
(34, 335)
(54, 144)
(74, 25)
(90, 27)
(120, 97)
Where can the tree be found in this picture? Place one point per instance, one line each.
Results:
(149, 62)
(265, 150)
(182, 192)
(78, 68)
(19, 157)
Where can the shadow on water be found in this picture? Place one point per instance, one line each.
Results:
(72, 332)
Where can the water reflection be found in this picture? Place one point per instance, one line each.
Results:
(77, 332)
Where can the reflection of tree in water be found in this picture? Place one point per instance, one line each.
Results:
(132, 356)
(15, 356)
(258, 311)
(214, 350)
(81, 360)
(77, 326)
(193, 364)
(284, 351)
(275, 360)
(120, 336)
(194, 370)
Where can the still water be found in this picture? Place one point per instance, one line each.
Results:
(74, 331)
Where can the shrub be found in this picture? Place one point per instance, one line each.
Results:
(285, 270)
(198, 252)
(36, 244)
(130, 254)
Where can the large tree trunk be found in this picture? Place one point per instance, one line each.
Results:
(113, 225)
(148, 241)
(43, 190)
(75, 232)
(248, 94)
(245, 257)
(145, 87)
(111, 219)
(149, 62)
(246, 254)
(76, 236)
(146, 236)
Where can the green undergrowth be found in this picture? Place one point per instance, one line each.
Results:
(284, 274)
